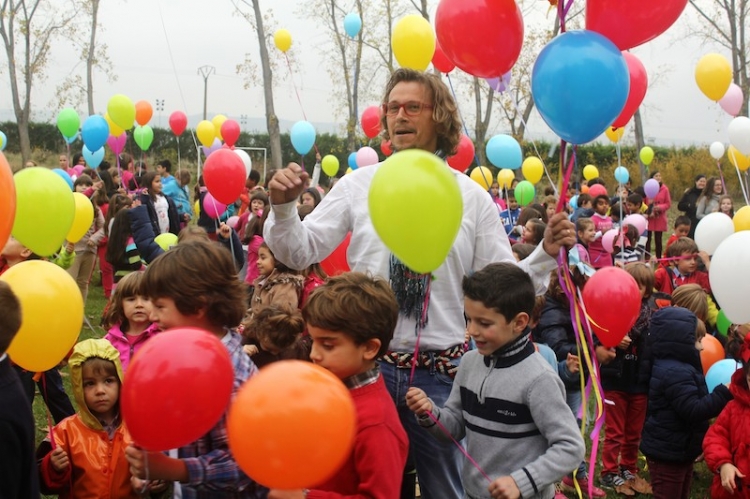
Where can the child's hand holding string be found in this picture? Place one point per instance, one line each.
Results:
(573, 363)
(504, 488)
(418, 402)
(59, 459)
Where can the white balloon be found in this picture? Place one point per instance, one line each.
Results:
(739, 134)
(712, 230)
(729, 275)
(245, 160)
(716, 150)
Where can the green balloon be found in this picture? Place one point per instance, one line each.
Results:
(416, 208)
(68, 122)
(143, 136)
(722, 323)
(524, 192)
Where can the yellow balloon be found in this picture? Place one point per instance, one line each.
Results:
(122, 111)
(218, 120)
(413, 42)
(713, 74)
(738, 160)
(505, 178)
(282, 39)
(206, 132)
(646, 155)
(84, 216)
(532, 169)
(348, 171)
(614, 134)
(52, 314)
(114, 130)
(590, 171)
(197, 208)
(330, 165)
(482, 176)
(742, 219)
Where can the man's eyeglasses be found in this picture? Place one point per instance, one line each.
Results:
(411, 108)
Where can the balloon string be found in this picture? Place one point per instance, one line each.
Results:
(179, 166)
(721, 175)
(460, 447)
(565, 178)
(463, 122)
(739, 176)
(299, 100)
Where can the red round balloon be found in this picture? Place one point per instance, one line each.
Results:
(371, 121)
(7, 200)
(176, 389)
(607, 287)
(464, 155)
(385, 147)
(178, 122)
(335, 263)
(230, 131)
(441, 61)
(629, 24)
(638, 86)
(481, 37)
(224, 175)
(597, 190)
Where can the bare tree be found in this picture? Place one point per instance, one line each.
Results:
(28, 28)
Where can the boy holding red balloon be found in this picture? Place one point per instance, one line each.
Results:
(351, 320)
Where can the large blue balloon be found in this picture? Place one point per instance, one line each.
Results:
(303, 136)
(580, 83)
(94, 132)
(93, 159)
(352, 24)
(504, 151)
(352, 161)
(64, 175)
(720, 373)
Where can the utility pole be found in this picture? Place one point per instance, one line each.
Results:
(205, 72)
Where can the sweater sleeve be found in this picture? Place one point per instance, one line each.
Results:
(451, 416)
(143, 233)
(717, 444)
(64, 259)
(682, 392)
(701, 208)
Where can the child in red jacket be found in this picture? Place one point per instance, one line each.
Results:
(684, 268)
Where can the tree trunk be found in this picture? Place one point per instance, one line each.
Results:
(482, 122)
(640, 143)
(91, 56)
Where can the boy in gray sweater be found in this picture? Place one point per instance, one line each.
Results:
(506, 399)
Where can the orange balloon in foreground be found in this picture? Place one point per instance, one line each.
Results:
(712, 352)
(292, 425)
(7, 200)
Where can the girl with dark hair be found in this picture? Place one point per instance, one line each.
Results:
(161, 210)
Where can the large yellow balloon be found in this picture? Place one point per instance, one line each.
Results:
(742, 219)
(614, 134)
(590, 171)
(282, 39)
(738, 160)
(413, 42)
(84, 216)
(122, 111)
(416, 208)
(532, 169)
(52, 314)
(217, 121)
(206, 132)
(505, 178)
(713, 74)
(482, 176)
(114, 130)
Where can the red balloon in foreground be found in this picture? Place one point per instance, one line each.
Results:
(230, 130)
(7, 200)
(464, 155)
(613, 302)
(178, 122)
(371, 121)
(638, 86)
(336, 263)
(224, 174)
(176, 389)
(631, 23)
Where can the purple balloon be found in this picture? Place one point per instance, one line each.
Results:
(117, 144)
(212, 207)
(499, 84)
(651, 188)
(207, 151)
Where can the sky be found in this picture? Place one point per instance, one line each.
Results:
(157, 46)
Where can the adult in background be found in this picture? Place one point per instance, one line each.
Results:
(418, 113)
(689, 202)
(657, 216)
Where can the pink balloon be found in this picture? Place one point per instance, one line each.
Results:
(212, 207)
(636, 220)
(117, 144)
(597, 190)
(232, 221)
(732, 100)
(651, 188)
(608, 240)
(366, 156)
(78, 169)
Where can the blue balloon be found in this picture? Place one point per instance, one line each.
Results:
(721, 373)
(64, 176)
(352, 24)
(504, 151)
(93, 159)
(352, 160)
(621, 174)
(303, 136)
(3, 141)
(573, 202)
(580, 83)
(95, 132)
(72, 139)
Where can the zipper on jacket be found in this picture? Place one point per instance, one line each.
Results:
(493, 361)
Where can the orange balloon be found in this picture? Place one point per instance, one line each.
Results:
(584, 189)
(143, 112)
(712, 352)
(7, 200)
(292, 425)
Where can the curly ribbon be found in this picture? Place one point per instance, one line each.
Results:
(565, 178)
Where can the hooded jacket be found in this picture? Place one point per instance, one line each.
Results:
(97, 463)
(120, 341)
(679, 405)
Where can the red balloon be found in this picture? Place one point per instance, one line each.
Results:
(160, 411)
(385, 147)
(441, 61)
(608, 286)
(336, 263)
(638, 85)
(224, 174)
(371, 121)
(597, 190)
(464, 155)
(482, 37)
(7, 200)
(230, 131)
(178, 122)
(629, 24)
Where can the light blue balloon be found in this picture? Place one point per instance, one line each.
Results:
(504, 151)
(72, 139)
(721, 373)
(303, 136)
(622, 174)
(94, 132)
(3, 141)
(573, 202)
(352, 24)
(580, 83)
(352, 161)
(64, 176)
(93, 159)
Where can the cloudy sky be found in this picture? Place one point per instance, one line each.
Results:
(157, 46)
